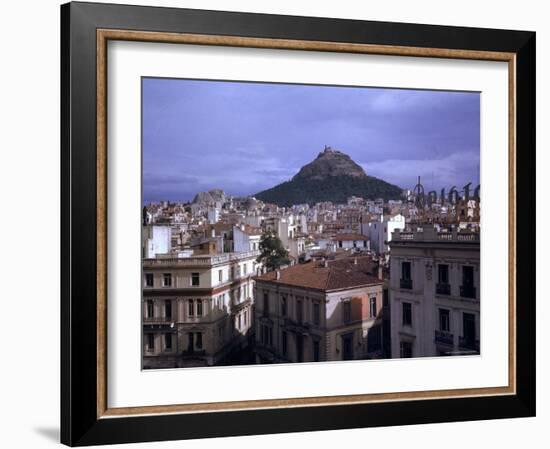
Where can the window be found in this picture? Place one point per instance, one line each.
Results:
(199, 307)
(168, 308)
(405, 270)
(245, 318)
(347, 346)
(283, 306)
(405, 349)
(150, 342)
(372, 307)
(407, 314)
(406, 280)
(316, 351)
(442, 287)
(266, 303)
(245, 268)
(467, 289)
(150, 308)
(266, 335)
(168, 342)
(299, 348)
(374, 339)
(285, 343)
(239, 321)
(299, 311)
(195, 279)
(469, 326)
(443, 274)
(316, 313)
(220, 275)
(347, 311)
(199, 340)
(444, 320)
(148, 279)
(167, 280)
(190, 308)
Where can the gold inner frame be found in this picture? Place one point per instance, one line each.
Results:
(104, 35)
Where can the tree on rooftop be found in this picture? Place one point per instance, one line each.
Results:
(274, 254)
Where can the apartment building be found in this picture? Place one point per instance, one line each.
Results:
(434, 292)
(197, 310)
(319, 311)
(380, 231)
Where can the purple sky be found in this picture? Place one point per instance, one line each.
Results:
(246, 137)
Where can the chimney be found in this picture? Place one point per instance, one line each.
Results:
(278, 275)
(325, 263)
(355, 261)
(213, 232)
(380, 275)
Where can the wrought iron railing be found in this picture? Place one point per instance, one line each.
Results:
(468, 291)
(444, 337)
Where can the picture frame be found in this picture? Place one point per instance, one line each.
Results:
(86, 28)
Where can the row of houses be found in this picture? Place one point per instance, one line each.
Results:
(213, 307)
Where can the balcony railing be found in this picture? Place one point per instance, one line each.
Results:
(433, 234)
(193, 353)
(444, 337)
(443, 289)
(468, 291)
(296, 326)
(157, 319)
(406, 283)
(202, 260)
(468, 344)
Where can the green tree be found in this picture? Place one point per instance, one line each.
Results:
(273, 253)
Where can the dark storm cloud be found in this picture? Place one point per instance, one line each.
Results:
(246, 137)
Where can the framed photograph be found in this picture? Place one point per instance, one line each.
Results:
(276, 224)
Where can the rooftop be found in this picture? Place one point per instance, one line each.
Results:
(349, 236)
(429, 233)
(336, 274)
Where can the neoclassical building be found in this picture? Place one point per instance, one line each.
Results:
(197, 310)
(319, 311)
(434, 292)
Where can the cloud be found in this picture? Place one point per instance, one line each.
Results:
(246, 137)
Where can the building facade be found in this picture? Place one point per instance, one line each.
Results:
(197, 310)
(319, 311)
(380, 231)
(434, 292)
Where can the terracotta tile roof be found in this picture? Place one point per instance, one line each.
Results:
(336, 275)
(339, 237)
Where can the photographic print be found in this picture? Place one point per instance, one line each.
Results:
(286, 223)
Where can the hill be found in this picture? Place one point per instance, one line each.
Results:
(332, 176)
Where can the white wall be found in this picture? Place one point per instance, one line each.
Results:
(30, 146)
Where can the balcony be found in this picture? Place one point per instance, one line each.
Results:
(444, 337)
(406, 283)
(193, 353)
(468, 291)
(443, 289)
(468, 343)
(295, 326)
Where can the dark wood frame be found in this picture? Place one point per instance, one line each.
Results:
(86, 27)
